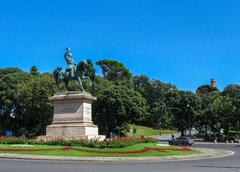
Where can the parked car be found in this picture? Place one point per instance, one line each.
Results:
(183, 140)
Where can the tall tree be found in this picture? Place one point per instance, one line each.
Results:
(34, 111)
(10, 78)
(114, 70)
(232, 91)
(142, 84)
(203, 118)
(206, 89)
(154, 91)
(222, 115)
(116, 106)
(187, 106)
(34, 70)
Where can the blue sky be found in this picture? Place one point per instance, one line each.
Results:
(184, 42)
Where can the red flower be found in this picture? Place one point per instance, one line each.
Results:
(67, 148)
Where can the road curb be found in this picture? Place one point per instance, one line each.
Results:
(205, 154)
(218, 143)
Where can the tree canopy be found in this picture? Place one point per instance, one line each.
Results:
(116, 106)
(114, 70)
(122, 99)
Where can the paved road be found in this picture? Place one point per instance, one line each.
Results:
(225, 164)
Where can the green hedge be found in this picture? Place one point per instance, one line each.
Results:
(114, 143)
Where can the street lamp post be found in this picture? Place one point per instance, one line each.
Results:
(189, 120)
(160, 126)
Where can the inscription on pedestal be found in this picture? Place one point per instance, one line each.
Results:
(67, 110)
(63, 108)
(87, 109)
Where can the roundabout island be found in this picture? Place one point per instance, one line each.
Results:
(141, 152)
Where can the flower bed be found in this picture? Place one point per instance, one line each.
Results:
(136, 150)
(145, 149)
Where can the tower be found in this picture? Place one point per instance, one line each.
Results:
(213, 83)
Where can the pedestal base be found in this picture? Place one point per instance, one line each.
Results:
(77, 129)
(72, 119)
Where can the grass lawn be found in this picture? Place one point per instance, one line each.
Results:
(138, 150)
(146, 131)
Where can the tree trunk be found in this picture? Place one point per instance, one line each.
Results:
(182, 132)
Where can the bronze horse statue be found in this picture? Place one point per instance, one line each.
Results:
(65, 76)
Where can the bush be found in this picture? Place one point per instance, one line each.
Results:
(114, 143)
(209, 138)
(16, 140)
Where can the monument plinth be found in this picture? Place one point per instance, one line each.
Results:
(72, 117)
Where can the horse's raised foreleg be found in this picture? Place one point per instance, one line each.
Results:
(66, 84)
(80, 84)
(86, 77)
(57, 83)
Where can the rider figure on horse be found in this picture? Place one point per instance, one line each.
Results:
(71, 65)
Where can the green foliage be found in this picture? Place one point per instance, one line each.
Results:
(232, 91)
(222, 114)
(142, 85)
(10, 70)
(114, 70)
(34, 70)
(218, 110)
(117, 105)
(34, 111)
(155, 92)
(206, 89)
(114, 143)
(10, 78)
(187, 104)
(16, 140)
(99, 85)
(122, 100)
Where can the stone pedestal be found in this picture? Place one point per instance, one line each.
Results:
(72, 117)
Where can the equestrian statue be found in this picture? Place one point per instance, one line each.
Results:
(73, 72)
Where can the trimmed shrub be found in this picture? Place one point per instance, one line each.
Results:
(113, 143)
